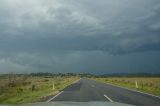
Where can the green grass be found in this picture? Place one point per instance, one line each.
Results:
(22, 93)
(148, 85)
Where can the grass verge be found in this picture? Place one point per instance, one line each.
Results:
(32, 89)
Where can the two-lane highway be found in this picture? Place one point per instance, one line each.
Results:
(86, 90)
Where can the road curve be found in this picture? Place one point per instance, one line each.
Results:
(86, 90)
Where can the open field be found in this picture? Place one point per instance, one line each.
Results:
(26, 89)
(146, 84)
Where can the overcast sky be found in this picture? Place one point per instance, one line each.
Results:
(95, 36)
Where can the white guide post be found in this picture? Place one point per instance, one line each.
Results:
(136, 84)
(53, 86)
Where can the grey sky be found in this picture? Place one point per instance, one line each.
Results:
(97, 36)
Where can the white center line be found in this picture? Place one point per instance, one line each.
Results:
(108, 98)
(54, 96)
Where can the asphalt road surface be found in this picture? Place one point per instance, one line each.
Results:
(86, 90)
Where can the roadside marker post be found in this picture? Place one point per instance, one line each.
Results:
(136, 84)
(53, 86)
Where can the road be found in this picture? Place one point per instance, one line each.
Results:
(86, 90)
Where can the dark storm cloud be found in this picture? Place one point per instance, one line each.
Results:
(59, 34)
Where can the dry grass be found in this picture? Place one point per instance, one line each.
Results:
(30, 89)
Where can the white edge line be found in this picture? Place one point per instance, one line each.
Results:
(76, 81)
(61, 91)
(54, 96)
(108, 98)
(135, 91)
